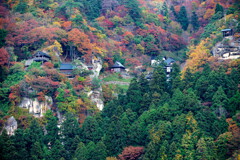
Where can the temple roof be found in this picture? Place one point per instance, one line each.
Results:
(169, 61)
(66, 66)
(118, 65)
(41, 54)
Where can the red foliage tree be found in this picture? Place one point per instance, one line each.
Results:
(131, 153)
(21, 31)
(43, 84)
(14, 96)
(41, 97)
(67, 25)
(4, 56)
(82, 42)
(108, 23)
(48, 64)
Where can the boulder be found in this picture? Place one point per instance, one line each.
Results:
(10, 125)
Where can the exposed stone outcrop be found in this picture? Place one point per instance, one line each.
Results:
(10, 125)
(97, 66)
(35, 107)
(96, 97)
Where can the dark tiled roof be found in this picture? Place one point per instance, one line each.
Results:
(225, 30)
(41, 54)
(66, 66)
(118, 65)
(169, 60)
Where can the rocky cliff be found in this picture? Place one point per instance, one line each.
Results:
(35, 107)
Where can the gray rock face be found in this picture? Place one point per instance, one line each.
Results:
(97, 66)
(11, 126)
(35, 107)
(96, 97)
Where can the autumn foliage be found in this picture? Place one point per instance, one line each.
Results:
(4, 56)
(131, 153)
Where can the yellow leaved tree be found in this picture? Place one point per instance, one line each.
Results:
(197, 56)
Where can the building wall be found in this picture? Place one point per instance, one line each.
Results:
(117, 69)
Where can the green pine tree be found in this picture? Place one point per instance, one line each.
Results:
(37, 151)
(57, 151)
(220, 100)
(206, 149)
(81, 152)
(158, 83)
(52, 131)
(91, 130)
(194, 21)
(115, 138)
(183, 18)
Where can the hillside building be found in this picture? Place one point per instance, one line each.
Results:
(227, 32)
(67, 68)
(118, 67)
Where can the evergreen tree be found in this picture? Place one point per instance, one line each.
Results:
(34, 134)
(163, 150)
(81, 152)
(145, 103)
(179, 126)
(174, 12)
(219, 126)
(37, 151)
(19, 140)
(202, 86)
(91, 130)
(219, 8)
(234, 104)
(125, 123)
(206, 149)
(151, 152)
(205, 119)
(7, 149)
(158, 82)
(69, 130)
(194, 21)
(91, 148)
(134, 11)
(165, 9)
(96, 151)
(175, 79)
(172, 150)
(144, 84)
(67, 8)
(133, 96)
(207, 96)
(3, 34)
(190, 138)
(220, 101)
(183, 18)
(139, 134)
(115, 138)
(52, 131)
(188, 80)
(113, 108)
(132, 116)
(92, 8)
(57, 151)
(21, 7)
(177, 101)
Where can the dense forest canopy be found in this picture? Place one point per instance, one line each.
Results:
(57, 58)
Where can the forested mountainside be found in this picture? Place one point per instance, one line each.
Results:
(119, 79)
